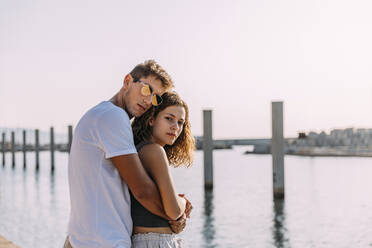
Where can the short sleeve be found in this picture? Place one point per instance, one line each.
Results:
(114, 133)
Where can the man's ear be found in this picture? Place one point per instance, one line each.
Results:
(128, 80)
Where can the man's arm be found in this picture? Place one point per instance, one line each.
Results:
(140, 184)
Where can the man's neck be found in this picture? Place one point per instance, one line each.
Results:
(118, 100)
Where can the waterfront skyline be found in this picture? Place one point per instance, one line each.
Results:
(60, 58)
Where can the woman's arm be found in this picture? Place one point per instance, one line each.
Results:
(155, 162)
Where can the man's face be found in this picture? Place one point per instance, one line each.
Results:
(135, 102)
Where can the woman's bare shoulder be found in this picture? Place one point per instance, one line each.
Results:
(153, 151)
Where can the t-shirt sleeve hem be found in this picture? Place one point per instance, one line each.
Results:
(122, 152)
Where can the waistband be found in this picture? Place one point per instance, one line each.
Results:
(153, 236)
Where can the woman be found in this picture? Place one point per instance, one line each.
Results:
(163, 137)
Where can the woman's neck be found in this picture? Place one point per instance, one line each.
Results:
(153, 140)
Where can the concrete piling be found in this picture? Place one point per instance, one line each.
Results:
(37, 149)
(52, 148)
(13, 148)
(24, 149)
(69, 138)
(208, 149)
(3, 147)
(277, 149)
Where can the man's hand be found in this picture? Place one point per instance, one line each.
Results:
(177, 226)
(188, 206)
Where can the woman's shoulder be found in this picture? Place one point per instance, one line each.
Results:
(152, 150)
(153, 156)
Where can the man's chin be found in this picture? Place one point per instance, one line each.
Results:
(138, 114)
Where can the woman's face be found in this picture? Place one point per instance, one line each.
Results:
(168, 125)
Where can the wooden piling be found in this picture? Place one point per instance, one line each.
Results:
(69, 138)
(24, 149)
(208, 149)
(13, 148)
(52, 148)
(37, 148)
(3, 147)
(277, 149)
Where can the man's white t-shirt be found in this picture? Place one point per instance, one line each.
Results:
(100, 201)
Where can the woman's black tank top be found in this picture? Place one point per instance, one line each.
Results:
(140, 215)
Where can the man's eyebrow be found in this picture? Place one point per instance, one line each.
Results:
(174, 116)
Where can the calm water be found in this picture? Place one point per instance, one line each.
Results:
(328, 202)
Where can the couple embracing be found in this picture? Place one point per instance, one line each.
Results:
(121, 190)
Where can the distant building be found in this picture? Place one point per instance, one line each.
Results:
(349, 137)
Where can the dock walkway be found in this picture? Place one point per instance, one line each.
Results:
(4, 243)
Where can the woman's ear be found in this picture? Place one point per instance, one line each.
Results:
(151, 121)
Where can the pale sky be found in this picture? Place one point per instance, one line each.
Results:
(59, 58)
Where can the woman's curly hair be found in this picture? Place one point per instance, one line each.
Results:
(181, 152)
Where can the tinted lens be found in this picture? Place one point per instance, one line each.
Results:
(156, 100)
(145, 91)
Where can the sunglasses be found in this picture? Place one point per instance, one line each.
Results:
(147, 90)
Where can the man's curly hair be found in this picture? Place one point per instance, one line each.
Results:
(181, 152)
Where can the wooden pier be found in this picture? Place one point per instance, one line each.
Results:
(206, 143)
(4, 243)
(23, 147)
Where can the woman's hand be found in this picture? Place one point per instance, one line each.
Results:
(188, 206)
(178, 225)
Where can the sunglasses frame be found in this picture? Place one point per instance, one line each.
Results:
(156, 100)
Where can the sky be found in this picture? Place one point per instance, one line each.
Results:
(60, 58)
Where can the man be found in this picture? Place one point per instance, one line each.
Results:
(103, 163)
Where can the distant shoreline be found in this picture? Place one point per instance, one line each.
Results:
(321, 152)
